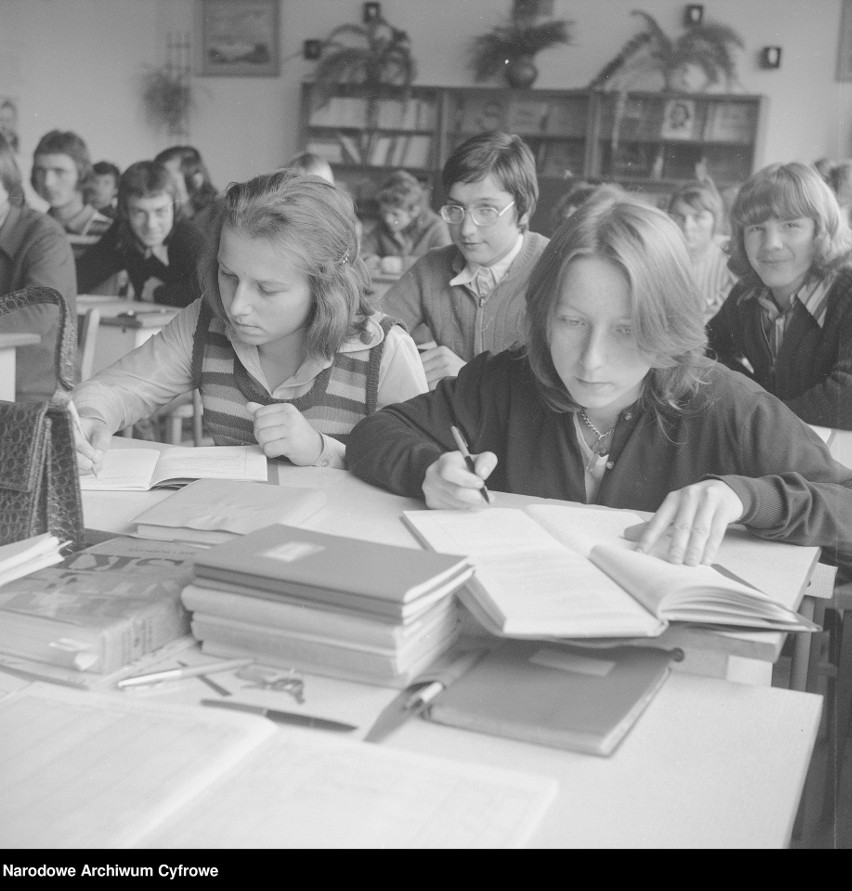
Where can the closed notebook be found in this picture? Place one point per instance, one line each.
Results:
(284, 557)
(210, 511)
(567, 697)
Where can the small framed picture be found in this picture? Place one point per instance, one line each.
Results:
(844, 49)
(678, 119)
(237, 37)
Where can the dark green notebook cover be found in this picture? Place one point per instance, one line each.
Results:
(569, 697)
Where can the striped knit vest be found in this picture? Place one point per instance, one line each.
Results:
(341, 395)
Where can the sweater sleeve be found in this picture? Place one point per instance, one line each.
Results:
(99, 262)
(394, 447)
(181, 287)
(145, 379)
(829, 403)
(791, 488)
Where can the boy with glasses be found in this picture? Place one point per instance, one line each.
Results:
(468, 297)
(149, 240)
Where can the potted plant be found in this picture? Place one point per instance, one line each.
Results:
(369, 55)
(511, 48)
(709, 48)
(167, 98)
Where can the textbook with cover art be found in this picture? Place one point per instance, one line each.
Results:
(561, 571)
(101, 609)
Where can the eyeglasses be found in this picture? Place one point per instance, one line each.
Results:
(482, 216)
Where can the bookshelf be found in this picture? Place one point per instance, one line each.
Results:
(651, 146)
(653, 142)
(366, 134)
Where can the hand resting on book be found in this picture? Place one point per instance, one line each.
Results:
(696, 516)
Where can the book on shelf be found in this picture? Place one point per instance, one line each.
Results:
(568, 572)
(329, 149)
(351, 149)
(730, 121)
(476, 113)
(137, 470)
(568, 697)
(211, 511)
(333, 569)
(155, 789)
(104, 607)
(297, 616)
(340, 111)
(28, 555)
(418, 149)
(395, 665)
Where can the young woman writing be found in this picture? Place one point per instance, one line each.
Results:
(284, 345)
(612, 401)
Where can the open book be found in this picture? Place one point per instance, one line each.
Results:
(23, 557)
(560, 571)
(142, 469)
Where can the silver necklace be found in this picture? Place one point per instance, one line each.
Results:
(598, 448)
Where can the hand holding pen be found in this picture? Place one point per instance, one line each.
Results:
(455, 480)
(82, 444)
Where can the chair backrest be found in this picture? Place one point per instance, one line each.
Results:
(87, 340)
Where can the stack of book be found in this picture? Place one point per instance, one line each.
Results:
(327, 604)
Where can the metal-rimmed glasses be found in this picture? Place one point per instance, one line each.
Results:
(481, 216)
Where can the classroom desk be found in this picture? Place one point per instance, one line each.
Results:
(125, 324)
(358, 509)
(9, 343)
(710, 763)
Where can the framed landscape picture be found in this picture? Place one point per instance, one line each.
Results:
(237, 37)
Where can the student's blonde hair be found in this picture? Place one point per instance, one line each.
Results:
(788, 191)
(312, 223)
(647, 247)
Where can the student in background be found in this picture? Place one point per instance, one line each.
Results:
(62, 175)
(468, 297)
(104, 193)
(788, 321)
(34, 250)
(149, 240)
(308, 162)
(578, 194)
(612, 401)
(199, 197)
(698, 210)
(284, 346)
(407, 226)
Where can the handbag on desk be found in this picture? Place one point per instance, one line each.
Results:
(39, 483)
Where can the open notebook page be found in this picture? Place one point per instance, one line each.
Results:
(90, 770)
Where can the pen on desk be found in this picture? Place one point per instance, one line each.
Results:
(75, 417)
(186, 671)
(462, 447)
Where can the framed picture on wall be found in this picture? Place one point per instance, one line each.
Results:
(678, 119)
(237, 37)
(844, 49)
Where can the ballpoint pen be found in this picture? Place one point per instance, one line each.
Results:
(462, 447)
(186, 671)
(75, 417)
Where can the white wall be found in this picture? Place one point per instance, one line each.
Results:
(75, 64)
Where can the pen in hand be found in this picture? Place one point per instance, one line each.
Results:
(75, 417)
(462, 447)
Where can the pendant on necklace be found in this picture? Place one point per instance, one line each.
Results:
(597, 451)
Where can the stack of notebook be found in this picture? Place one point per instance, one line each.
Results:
(327, 604)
